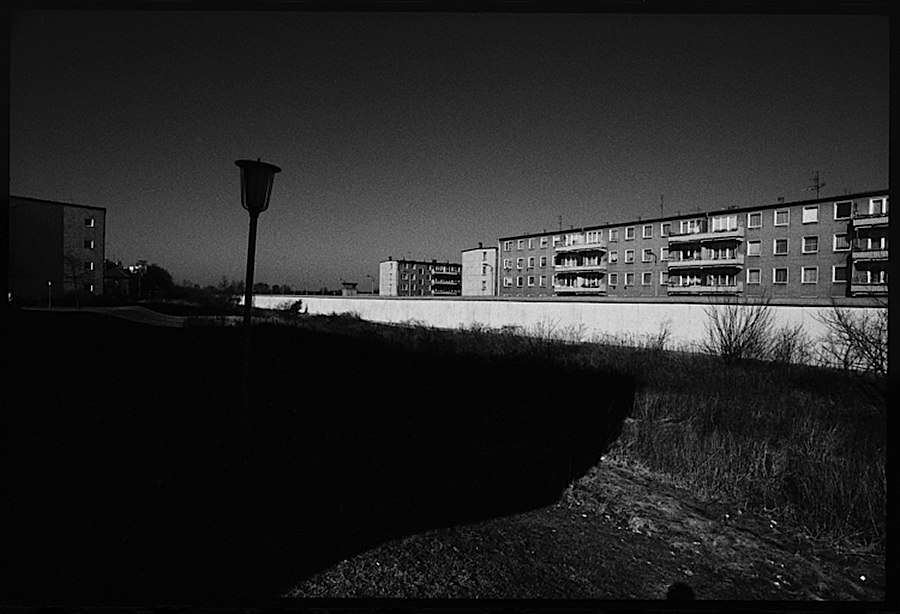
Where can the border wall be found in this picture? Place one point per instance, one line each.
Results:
(629, 322)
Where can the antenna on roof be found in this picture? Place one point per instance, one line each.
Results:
(660, 205)
(816, 184)
(560, 223)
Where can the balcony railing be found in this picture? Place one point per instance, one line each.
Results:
(563, 289)
(736, 234)
(443, 271)
(580, 246)
(581, 268)
(705, 263)
(706, 289)
(870, 219)
(862, 287)
(870, 254)
(445, 282)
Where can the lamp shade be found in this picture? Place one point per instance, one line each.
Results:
(256, 184)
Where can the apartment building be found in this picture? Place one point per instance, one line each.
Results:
(479, 271)
(419, 278)
(828, 247)
(55, 248)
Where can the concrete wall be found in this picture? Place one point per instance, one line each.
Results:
(629, 321)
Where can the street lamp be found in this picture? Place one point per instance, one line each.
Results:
(49, 294)
(256, 188)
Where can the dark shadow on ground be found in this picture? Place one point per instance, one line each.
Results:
(128, 480)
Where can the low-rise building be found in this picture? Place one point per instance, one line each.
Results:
(419, 278)
(479, 271)
(55, 248)
(827, 247)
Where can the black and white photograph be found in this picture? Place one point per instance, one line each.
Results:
(418, 306)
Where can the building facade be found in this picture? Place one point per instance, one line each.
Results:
(55, 248)
(829, 247)
(419, 278)
(479, 271)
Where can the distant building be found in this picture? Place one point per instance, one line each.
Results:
(479, 271)
(418, 278)
(827, 247)
(55, 248)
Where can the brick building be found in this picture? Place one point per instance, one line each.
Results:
(821, 248)
(55, 247)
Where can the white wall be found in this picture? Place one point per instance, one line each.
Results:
(686, 321)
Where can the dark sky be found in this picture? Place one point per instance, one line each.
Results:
(420, 134)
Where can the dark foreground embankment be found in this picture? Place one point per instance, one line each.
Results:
(129, 481)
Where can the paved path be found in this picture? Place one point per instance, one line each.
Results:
(133, 313)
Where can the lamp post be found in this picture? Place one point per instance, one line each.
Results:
(49, 294)
(256, 188)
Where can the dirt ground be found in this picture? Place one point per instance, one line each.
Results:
(630, 535)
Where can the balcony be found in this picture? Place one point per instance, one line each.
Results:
(699, 289)
(445, 282)
(866, 220)
(858, 288)
(736, 234)
(444, 271)
(563, 289)
(600, 267)
(705, 263)
(870, 254)
(444, 292)
(580, 246)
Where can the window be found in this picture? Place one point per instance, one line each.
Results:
(665, 228)
(531, 243)
(507, 263)
(404, 276)
(721, 223)
(531, 281)
(519, 263)
(782, 217)
(841, 242)
(646, 278)
(519, 280)
(543, 260)
(809, 275)
(543, 281)
(753, 248)
(614, 234)
(613, 279)
(780, 247)
(629, 279)
(690, 226)
(613, 257)
(89, 222)
(753, 276)
(543, 242)
(648, 231)
(507, 246)
(664, 278)
(663, 253)
(754, 220)
(483, 285)
(780, 276)
(556, 240)
(484, 269)
(839, 274)
(88, 244)
(520, 244)
(648, 255)
(91, 288)
(531, 262)
(88, 265)
(507, 281)
(629, 256)
(593, 236)
(877, 205)
(811, 214)
(810, 245)
(843, 210)
(629, 233)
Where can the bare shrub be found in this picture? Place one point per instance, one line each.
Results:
(791, 344)
(739, 330)
(856, 340)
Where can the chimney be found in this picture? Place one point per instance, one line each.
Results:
(480, 245)
(781, 199)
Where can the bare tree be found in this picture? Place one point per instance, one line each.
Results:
(75, 275)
